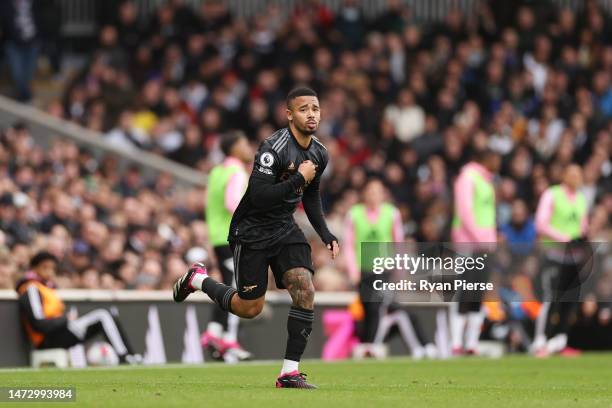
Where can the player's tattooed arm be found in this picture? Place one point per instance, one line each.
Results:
(298, 282)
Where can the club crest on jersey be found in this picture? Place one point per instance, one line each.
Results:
(266, 159)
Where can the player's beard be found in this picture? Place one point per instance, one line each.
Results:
(307, 131)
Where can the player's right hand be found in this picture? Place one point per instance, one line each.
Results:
(308, 170)
(334, 248)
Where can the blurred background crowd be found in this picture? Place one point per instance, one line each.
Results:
(109, 229)
(402, 100)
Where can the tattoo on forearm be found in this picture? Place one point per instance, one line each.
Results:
(298, 282)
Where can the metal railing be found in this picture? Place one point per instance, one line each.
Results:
(79, 16)
(45, 127)
(421, 9)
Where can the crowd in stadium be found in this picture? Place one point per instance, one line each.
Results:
(109, 229)
(403, 101)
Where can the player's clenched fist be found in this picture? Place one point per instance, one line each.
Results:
(308, 170)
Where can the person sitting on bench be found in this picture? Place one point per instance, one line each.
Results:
(44, 319)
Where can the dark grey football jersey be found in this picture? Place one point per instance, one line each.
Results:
(264, 224)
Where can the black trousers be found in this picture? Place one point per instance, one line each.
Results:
(560, 287)
(96, 322)
(471, 301)
(372, 302)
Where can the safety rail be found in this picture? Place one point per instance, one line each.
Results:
(79, 16)
(46, 127)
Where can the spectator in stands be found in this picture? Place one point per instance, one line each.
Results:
(407, 118)
(7, 269)
(19, 20)
(519, 233)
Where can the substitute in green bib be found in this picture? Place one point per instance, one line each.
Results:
(226, 185)
(374, 221)
(561, 218)
(474, 229)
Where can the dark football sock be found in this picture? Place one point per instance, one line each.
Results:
(220, 316)
(299, 327)
(221, 294)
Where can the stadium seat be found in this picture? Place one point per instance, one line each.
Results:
(57, 357)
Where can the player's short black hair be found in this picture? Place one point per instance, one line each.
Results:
(41, 257)
(300, 91)
(229, 139)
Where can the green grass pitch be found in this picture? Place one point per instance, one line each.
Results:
(471, 382)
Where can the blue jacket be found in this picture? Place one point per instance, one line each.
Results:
(522, 240)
